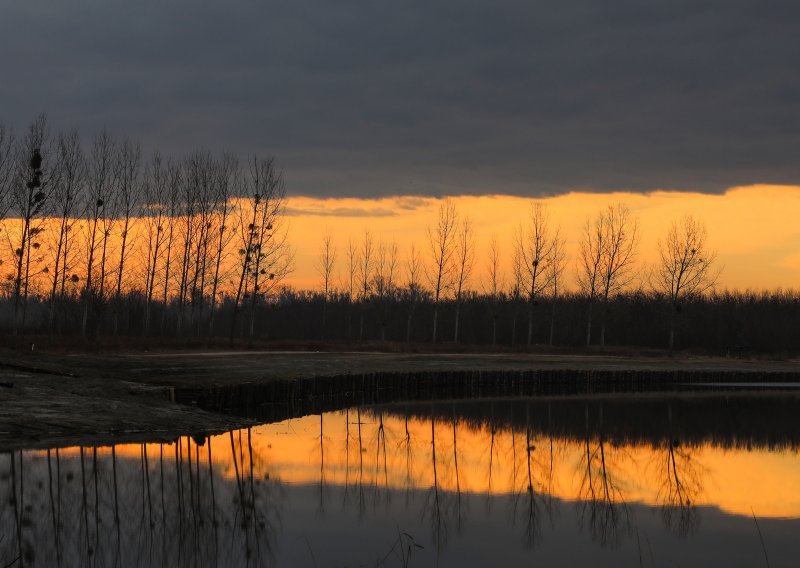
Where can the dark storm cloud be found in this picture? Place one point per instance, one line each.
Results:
(416, 97)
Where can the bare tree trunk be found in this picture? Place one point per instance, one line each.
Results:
(56, 276)
(26, 283)
(21, 270)
(441, 238)
(120, 270)
(87, 289)
(28, 191)
(225, 170)
(101, 290)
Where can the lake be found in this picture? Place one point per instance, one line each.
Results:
(688, 479)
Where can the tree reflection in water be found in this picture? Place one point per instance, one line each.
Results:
(219, 502)
(601, 503)
(91, 507)
(681, 485)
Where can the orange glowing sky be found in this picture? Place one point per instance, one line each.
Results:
(754, 229)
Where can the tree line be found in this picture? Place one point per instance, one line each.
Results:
(97, 239)
(93, 230)
(535, 303)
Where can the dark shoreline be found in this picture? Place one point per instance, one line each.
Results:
(49, 399)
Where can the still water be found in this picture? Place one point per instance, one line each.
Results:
(703, 479)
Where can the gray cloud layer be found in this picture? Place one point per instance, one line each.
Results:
(379, 97)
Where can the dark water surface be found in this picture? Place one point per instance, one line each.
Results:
(702, 479)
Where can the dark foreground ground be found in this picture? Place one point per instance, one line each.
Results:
(51, 400)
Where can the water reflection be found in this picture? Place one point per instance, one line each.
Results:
(142, 505)
(451, 483)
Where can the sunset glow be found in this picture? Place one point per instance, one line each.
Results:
(753, 228)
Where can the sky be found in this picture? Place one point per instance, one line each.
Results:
(752, 230)
(369, 100)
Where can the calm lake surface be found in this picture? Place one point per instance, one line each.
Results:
(697, 479)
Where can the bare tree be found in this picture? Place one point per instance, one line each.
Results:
(686, 266)
(619, 257)
(384, 280)
(557, 267)
(174, 174)
(465, 262)
(495, 283)
(129, 195)
(413, 285)
(352, 269)
(516, 291)
(67, 199)
(226, 186)
(326, 263)
(100, 174)
(205, 188)
(155, 215)
(196, 192)
(535, 248)
(590, 266)
(365, 266)
(7, 182)
(108, 220)
(29, 193)
(6, 168)
(266, 258)
(607, 261)
(442, 241)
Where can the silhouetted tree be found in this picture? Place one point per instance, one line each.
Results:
(29, 193)
(534, 243)
(6, 169)
(495, 283)
(68, 201)
(413, 285)
(156, 191)
(129, 195)
(441, 239)
(100, 174)
(326, 263)
(365, 267)
(590, 266)
(465, 262)
(557, 267)
(384, 280)
(686, 266)
(619, 256)
(226, 185)
(516, 291)
(174, 175)
(265, 258)
(352, 268)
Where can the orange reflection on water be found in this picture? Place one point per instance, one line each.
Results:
(389, 452)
